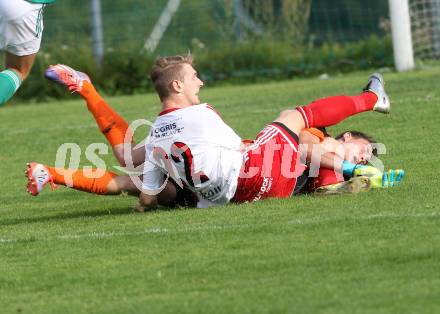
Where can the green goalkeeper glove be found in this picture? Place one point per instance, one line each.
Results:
(378, 179)
(352, 170)
(389, 179)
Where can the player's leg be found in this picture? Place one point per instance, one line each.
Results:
(104, 183)
(20, 64)
(121, 184)
(17, 70)
(111, 124)
(96, 182)
(329, 181)
(332, 110)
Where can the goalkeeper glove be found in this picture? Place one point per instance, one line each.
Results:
(352, 170)
(389, 179)
(378, 179)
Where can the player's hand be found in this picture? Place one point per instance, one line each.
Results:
(366, 171)
(353, 170)
(388, 179)
(378, 179)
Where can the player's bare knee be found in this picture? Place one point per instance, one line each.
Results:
(113, 187)
(292, 119)
(285, 114)
(126, 184)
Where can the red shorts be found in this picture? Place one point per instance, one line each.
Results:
(272, 165)
(326, 177)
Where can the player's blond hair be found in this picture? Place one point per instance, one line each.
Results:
(167, 69)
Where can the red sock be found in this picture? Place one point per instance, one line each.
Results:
(111, 124)
(332, 110)
(93, 182)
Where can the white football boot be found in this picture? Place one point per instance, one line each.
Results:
(38, 176)
(376, 85)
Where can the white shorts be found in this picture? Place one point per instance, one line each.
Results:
(21, 26)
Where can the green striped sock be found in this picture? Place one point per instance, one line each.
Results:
(9, 83)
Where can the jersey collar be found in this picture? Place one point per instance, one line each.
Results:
(168, 111)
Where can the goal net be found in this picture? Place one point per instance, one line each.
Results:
(425, 28)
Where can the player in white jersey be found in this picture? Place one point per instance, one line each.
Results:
(207, 162)
(203, 152)
(192, 145)
(21, 28)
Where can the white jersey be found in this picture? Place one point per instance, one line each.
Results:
(197, 148)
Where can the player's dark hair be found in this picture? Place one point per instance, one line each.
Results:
(167, 69)
(362, 135)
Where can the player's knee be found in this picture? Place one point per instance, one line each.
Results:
(292, 119)
(112, 188)
(290, 116)
(286, 114)
(126, 185)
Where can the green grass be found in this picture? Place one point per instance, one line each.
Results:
(377, 252)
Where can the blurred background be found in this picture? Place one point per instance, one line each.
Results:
(232, 40)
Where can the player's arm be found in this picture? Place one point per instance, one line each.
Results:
(379, 179)
(307, 142)
(316, 149)
(153, 184)
(311, 136)
(147, 202)
(168, 197)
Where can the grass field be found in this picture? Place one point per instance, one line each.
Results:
(377, 252)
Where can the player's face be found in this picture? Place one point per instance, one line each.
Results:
(192, 85)
(357, 150)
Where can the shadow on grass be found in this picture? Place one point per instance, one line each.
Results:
(67, 215)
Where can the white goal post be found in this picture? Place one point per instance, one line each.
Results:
(401, 33)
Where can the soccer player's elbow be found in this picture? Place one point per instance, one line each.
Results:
(146, 202)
